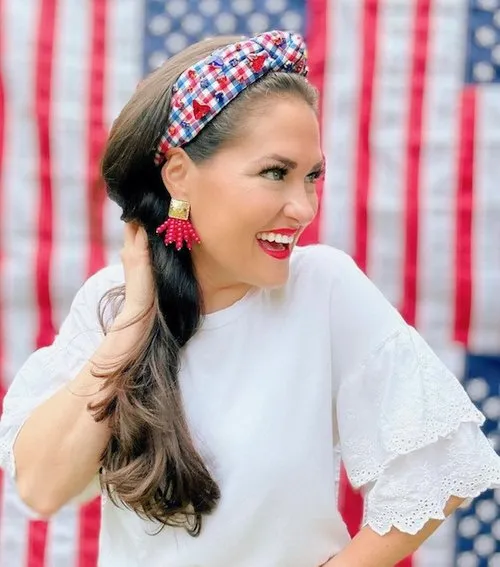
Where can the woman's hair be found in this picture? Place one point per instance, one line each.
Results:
(151, 464)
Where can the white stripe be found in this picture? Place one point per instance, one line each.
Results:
(340, 119)
(19, 207)
(113, 228)
(14, 528)
(386, 236)
(124, 55)
(63, 538)
(439, 159)
(124, 52)
(485, 327)
(70, 163)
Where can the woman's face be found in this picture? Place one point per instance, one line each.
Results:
(251, 201)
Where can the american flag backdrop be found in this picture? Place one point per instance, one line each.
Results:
(411, 126)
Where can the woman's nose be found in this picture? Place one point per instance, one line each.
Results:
(302, 206)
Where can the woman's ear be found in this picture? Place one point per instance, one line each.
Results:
(175, 173)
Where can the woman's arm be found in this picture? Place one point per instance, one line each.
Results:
(368, 549)
(58, 449)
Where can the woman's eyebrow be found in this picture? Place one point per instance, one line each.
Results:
(291, 164)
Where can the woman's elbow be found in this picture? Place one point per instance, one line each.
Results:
(41, 501)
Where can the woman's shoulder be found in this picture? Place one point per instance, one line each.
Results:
(318, 273)
(320, 270)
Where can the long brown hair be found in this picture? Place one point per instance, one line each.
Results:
(151, 464)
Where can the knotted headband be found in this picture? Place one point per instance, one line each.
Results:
(204, 89)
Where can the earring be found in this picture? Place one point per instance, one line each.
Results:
(178, 227)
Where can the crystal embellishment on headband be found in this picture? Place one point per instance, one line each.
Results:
(204, 89)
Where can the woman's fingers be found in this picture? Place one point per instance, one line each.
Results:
(141, 239)
(139, 285)
(129, 233)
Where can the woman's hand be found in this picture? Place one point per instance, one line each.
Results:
(139, 284)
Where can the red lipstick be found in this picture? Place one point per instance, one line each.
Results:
(284, 231)
(282, 254)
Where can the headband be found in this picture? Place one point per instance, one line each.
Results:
(204, 89)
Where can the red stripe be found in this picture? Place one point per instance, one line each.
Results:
(96, 136)
(350, 505)
(43, 95)
(45, 331)
(369, 36)
(465, 203)
(88, 543)
(37, 543)
(319, 14)
(413, 150)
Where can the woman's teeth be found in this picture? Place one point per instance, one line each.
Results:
(272, 237)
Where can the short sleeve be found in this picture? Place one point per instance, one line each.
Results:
(49, 368)
(409, 434)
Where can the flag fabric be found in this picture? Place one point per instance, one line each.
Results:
(478, 525)
(412, 137)
(411, 133)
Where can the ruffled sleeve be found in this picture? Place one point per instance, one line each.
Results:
(409, 434)
(49, 368)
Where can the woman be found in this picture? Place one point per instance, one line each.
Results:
(235, 369)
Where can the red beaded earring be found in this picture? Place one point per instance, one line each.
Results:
(178, 228)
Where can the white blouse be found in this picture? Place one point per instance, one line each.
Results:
(277, 389)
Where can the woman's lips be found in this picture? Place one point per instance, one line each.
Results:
(284, 231)
(275, 249)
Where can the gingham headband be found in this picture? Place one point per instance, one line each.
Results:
(204, 89)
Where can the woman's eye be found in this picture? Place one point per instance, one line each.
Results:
(275, 173)
(315, 176)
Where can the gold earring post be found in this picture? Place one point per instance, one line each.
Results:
(178, 209)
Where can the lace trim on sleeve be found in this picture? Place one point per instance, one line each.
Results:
(411, 436)
(416, 487)
(401, 399)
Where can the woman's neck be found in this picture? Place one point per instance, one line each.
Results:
(216, 299)
(219, 292)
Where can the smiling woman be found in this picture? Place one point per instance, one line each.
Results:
(214, 380)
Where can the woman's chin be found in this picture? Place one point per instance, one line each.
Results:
(275, 277)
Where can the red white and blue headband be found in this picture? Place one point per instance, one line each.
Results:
(204, 89)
